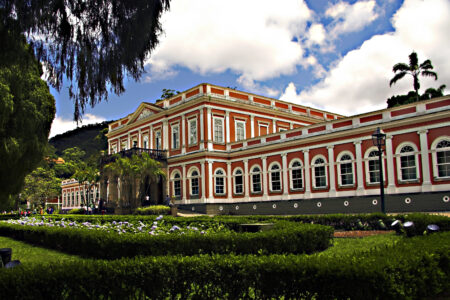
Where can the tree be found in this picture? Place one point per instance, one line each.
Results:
(93, 44)
(26, 112)
(40, 185)
(132, 173)
(432, 93)
(167, 93)
(413, 69)
(87, 176)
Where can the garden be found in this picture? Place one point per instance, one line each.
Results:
(226, 257)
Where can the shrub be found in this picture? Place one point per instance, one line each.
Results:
(286, 237)
(153, 210)
(415, 268)
(77, 211)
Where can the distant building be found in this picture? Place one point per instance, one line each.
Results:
(231, 152)
(74, 195)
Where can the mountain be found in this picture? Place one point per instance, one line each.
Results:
(90, 138)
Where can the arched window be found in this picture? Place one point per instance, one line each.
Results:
(346, 177)
(176, 184)
(194, 179)
(275, 177)
(320, 172)
(238, 182)
(372, 166)
(441, 158)
(406, 163)
(219, 180)
(256, 179)
(296, 171)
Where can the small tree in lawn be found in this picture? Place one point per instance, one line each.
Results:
(87, 176)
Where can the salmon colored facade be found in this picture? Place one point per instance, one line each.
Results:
(229, 151)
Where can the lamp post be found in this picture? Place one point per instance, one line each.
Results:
(379, 140)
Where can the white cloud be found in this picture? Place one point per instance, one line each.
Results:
(253, 39)
(351, 17)
(359, 82)
(61, 125)
(316, 34)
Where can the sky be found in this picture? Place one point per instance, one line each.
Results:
(332, 55)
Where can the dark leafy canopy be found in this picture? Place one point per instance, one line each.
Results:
(94, 44)
(413, 69)
(26, 112)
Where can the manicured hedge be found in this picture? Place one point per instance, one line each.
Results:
(375, 221)
(153, 210)
(286, 237)
(416, 268)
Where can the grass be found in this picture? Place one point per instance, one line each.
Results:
(30, 254)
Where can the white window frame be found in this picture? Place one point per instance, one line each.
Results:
(235, 175)
(123, 145)
(158, 139)
(399, 156)
(191, 177)
(280, 176)
(434, 151)
(173, 179)
(367, 159)
(222, 177)
(340, 162)
(216, 137)
(145, 142)
(291, 175)
(175, 128)
(260, 173)
(320, 165)
(193, 135)
(263, 124)
(236, 123)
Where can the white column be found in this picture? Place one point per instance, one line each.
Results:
(390, 165)
(332, 192)
(185, 183)
(426, 183)
(165, 135)
(285, 175)
(264, 174)
(227, 124)
(140, 139)
(359, 168)
(307, 174)
(129, 141)
(246, 180)
(150, 137)
(229, 190)
(274, 126)
(252, 126)
(209, 125)
(203, 181)
(210, 181)
(183, 135)
(202, 133)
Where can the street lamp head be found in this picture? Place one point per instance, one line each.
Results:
(379, 138)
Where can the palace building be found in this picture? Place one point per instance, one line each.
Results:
(231, 152)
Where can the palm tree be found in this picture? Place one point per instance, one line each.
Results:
(413, 69)
(432, 93)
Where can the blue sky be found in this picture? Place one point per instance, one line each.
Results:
(332, 55)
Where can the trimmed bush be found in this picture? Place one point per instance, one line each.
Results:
(286, 237)
(77, 211)
(415, 268)
(153, 210)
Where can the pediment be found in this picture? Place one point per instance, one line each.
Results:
(144, 110)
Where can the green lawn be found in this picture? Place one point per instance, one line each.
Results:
(29, 254)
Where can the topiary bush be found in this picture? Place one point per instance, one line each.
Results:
(153, 210)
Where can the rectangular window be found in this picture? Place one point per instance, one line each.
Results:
(256, 180)
(346, 174)
(239, 185)
(175, 137)
(218, 130)
(158, 139)
(320, 176)
(374, 171)
(194, 186)
(192, 131)
(240, 130)
(220, 185)
(177, 188)
(297, 182)
(263, 129)
(443, 163)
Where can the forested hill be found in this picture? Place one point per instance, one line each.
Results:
(90, 138)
